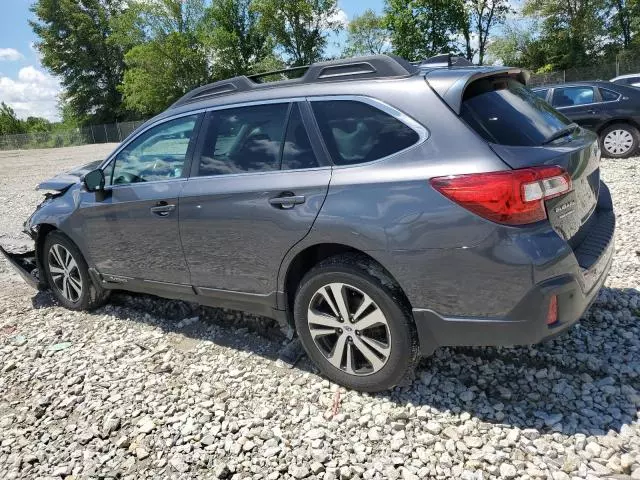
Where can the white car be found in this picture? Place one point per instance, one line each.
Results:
(632, 80)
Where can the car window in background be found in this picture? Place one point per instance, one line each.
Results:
(297, 152)
(609, 95)
(505, 112)
(571, 96)
(541, 93)
(245, 139)
(356, 132)
(157, 154)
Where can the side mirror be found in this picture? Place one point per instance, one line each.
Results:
(94, 180)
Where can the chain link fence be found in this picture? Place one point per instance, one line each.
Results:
(605, 71)
(114, 132)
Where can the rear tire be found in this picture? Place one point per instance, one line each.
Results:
(68, 276)
(619, 140)
(374, 348)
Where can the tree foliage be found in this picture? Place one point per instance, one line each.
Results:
(367, 35)
(423, 28)
(171, 60)
(300, 28)
(483, 16)
(74, 41)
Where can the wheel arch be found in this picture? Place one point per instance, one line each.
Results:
(311, 255)
(614, 121)
(43, 230)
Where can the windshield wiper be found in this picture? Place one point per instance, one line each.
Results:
(563, 132)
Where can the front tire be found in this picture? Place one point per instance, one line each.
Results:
(619, 140)
(68, 274)
(355, 325)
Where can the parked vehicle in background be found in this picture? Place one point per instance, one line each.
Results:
(608, 109)
(630, 80)
(380, 208)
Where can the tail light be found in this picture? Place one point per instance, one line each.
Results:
(512, 197)
(552, 313)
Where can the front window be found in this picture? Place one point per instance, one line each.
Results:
(505, 112)
(157, 154)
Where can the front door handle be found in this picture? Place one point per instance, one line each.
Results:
(285, 201)
(163, 209)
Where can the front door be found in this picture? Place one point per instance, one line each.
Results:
(132, 229)
(256, 191)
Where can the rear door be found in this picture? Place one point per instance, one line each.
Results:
(526, 131)
(580, 103)
(255, 191)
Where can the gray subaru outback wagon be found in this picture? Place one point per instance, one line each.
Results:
(383, 209)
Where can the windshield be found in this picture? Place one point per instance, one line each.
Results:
(505, 112)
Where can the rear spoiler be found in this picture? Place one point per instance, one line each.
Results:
(450, 83)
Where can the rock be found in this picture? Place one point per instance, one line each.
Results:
(467, 396)
(299, 471)
(142, 453)
(146, 425)
(60, 346)
(18, 340)
(221, 471)
(316, 468)
(433, 427)
(178, 464)
(593, 449)
(315, 434)
(507, 471)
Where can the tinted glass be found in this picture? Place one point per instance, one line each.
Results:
(506, 112)
(541, 93)
(355, 132)
(245, 139)
(297, 151)
(157, 154)
(570, 96)
(608, 95)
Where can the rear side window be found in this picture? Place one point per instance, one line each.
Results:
(355, 132)
(571, 96)
(541, 93)
(609, 95)
(505, 112)
(246, 139)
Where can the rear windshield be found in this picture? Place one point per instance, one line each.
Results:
(504, 111)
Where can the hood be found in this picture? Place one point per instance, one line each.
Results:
(64, 180)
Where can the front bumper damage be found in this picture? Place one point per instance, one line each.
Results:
(25, 264)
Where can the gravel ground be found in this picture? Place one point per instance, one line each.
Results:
(147, 388)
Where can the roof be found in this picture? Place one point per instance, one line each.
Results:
(591, 83)
(628, 75)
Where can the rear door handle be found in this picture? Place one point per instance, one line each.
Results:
(163, 209)
(287, 201)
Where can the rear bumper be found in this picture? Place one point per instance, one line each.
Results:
(526, 323)
(25, 264)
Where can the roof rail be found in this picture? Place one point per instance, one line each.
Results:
(444, 60)
(373, 66)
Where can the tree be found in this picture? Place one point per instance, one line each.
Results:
(483, 16)
(74, 44)
(622, 22)
(519, 46)
(237, 43)
(573, 30)
(367, 35)
(299, 27)
(424, 28)
(172, 59)
(10, 124)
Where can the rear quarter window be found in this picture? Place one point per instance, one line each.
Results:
(355, 132)
(505, 112)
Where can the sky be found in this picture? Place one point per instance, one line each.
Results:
(30, 90)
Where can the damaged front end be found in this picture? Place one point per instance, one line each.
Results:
(26, 265)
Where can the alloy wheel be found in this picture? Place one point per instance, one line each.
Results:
(618, 142)
(64, 272)
(349, 329)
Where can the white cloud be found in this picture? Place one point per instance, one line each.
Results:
(340, 16)
(33, 93)
(10, 54)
